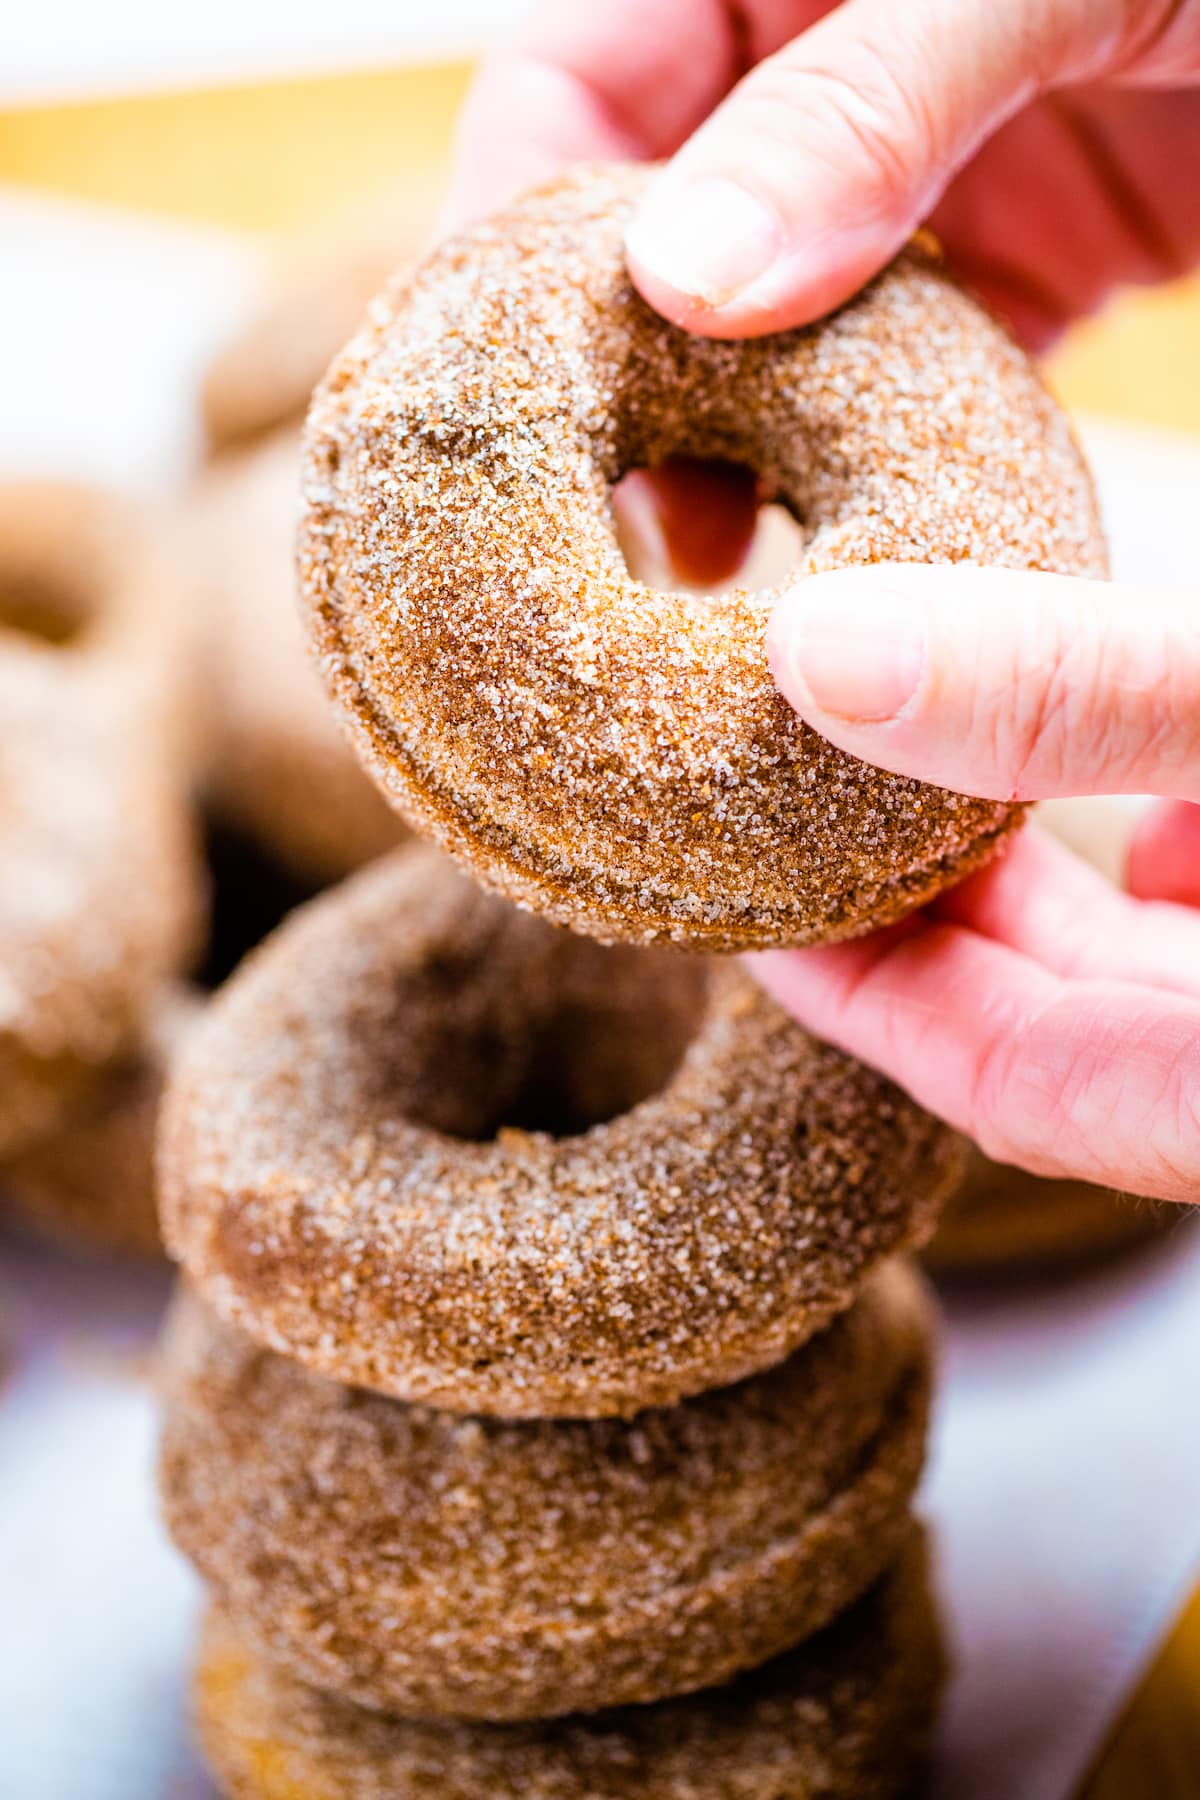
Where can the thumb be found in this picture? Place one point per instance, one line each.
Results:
(1001, 684)
(812, 173)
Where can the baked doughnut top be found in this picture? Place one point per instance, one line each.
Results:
(425, 1143)
(614, 756)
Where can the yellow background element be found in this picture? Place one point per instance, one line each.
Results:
(270, 157)
(283, 158)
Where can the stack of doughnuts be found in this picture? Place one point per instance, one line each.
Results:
(547, 1390)
(100, 897)
(543, 1354)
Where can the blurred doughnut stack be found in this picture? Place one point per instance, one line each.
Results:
(171, 778)
(548, 1385)
(101, 898)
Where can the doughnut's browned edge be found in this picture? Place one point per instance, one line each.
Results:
(847, 1716)
(437, 1566)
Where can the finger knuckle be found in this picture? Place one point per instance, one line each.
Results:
(891, 128)
(1023, 713)
(1004, 1132)
(1175, 1141)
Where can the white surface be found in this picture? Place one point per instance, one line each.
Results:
(1066, 1476)
(105, 326)
(66, 49)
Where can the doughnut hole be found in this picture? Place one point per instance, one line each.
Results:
(580, 1036)
(704, 525)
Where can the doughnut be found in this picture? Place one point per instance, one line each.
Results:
(424, 1143)
(847, 1716)
(614, 757)
(439, 1566)
(99, 899)
(90, 1183)
(278, 767)
(1002, 1220)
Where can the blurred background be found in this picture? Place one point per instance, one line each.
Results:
(194, 205)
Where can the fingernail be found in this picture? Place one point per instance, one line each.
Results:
(707, 238)
(851, 655)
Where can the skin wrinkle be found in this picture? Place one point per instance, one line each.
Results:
(1175, 728)
(812, 89)
(1150, 42)
(1181, 1096)
(1073, 1088)
(1005, 1060)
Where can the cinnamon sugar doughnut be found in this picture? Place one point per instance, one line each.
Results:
(98, 883)
(615, 757)
(425, 1143)
(847, 1716)
(90, 1182)
(279, 769)
(440, 1566)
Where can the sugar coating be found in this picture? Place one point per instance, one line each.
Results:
(847, 1716)
(99, 900)
(615, 757)
(356, 1166)
(435, 1565)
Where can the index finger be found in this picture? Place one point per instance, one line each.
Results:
(1085, 1078)
(626, 80)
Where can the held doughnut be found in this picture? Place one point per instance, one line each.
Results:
(427, 1144)
(98, 885)
(847, 1716)
(440, 1566)
(278, 767)
(614, 757)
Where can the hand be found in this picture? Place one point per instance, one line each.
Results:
(1050, 1016)
(1042, 138)
(1052, 144)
